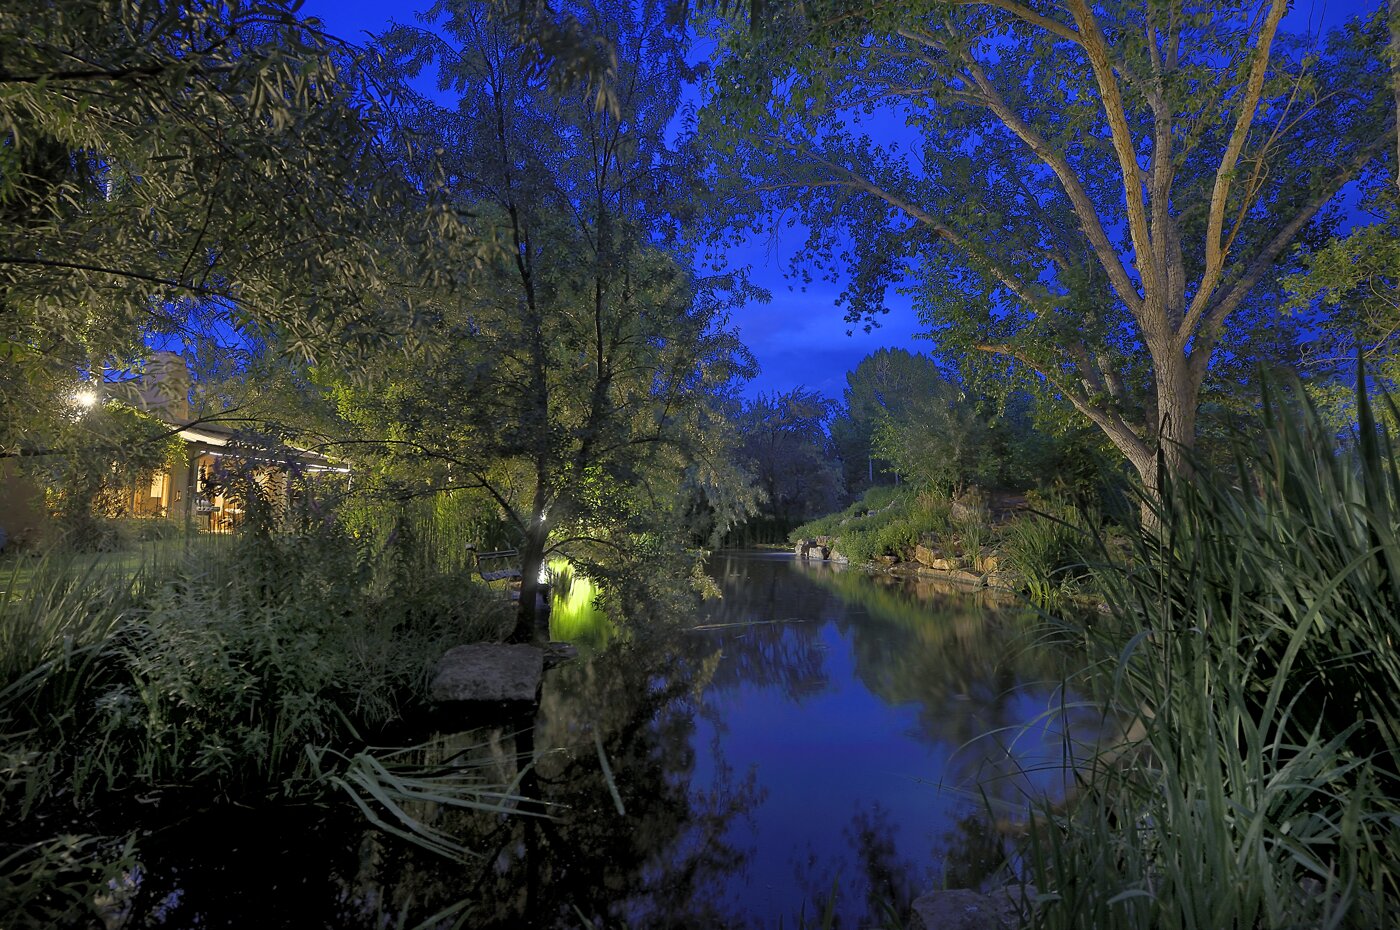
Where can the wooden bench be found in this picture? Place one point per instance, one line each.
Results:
(503, 559)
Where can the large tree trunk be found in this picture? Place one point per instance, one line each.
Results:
(531, 561)
(1177, 403)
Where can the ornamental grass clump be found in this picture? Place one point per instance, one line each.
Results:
(1046, 547)
(1253, 653)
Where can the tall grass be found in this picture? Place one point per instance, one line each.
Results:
(1254, 649)
(230, 673)
(1047, 546)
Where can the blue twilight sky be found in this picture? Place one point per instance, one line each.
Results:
(800, 337)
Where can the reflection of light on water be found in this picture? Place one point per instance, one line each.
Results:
(573, 617)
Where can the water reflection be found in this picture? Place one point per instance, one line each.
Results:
(574, 615)
(810, 732)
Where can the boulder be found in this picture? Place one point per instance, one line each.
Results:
(943, 565)
(1006, 580)
(961, 909)
(488, 672)
(931, 558)
(925, 556)
(838, 558)
(557, 653)
(968, 578)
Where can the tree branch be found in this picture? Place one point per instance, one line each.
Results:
(1220, 192)
(1114, 426)
(1079, 198)
(1210, 320)
(1111, 99)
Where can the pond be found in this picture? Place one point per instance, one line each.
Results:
(814, 733)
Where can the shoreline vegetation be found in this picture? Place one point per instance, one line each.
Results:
(1036, 544)
(260, 670)
(1250, 642)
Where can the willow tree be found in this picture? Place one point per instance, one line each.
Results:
(1089, 191)
(573, 379)
(186, 169)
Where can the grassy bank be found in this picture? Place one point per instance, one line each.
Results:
(243, 673)
(1043, 547)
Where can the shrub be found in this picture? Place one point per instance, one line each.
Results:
(1047, 547)
(886, 521)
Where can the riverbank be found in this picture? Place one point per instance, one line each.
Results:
(1035, 545)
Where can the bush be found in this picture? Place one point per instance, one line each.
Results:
(1050, 548)
(886, 521)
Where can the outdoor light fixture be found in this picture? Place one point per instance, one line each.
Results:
(85, 398)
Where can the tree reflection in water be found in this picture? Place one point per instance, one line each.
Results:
(656, 862)
(795, 736)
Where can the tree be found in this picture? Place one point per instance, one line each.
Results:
(785, 445)
(572, 380)
(1094, 191)
(902, 409)
(190, 172)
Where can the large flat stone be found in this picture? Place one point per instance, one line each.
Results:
(964, 910)
(488, 672)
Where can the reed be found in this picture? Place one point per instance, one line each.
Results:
(1252, 649)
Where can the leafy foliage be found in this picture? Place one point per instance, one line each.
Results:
(576, 384)
(211, 673)
(786, 448)
(885, 521)
(1348, 292)
(1096, 193)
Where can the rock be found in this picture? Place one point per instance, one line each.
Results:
(838, 558)
(990, 563)
(965, 910)
(962, 512)
(969, 578)
(887, 559)
(488, 672)
(556, 653)
(1006, 580)
(925, 556)
(931, 558)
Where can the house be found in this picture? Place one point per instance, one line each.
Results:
(197, 490)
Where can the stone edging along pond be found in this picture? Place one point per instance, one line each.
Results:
(927, 563)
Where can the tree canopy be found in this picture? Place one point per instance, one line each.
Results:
(792, 459)
(576, 381)
(189, 171)
(1094, 191)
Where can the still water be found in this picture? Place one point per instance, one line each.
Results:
(816, 737)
